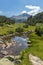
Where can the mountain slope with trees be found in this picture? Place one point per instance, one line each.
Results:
(4, 19)
(35, 19)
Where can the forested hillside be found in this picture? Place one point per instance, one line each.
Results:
(35, 19)
(4, 19)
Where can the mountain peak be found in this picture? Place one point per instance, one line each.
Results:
(24, 14)
(22, 17)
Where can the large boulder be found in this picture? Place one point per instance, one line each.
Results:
(5, 61)
(35, 60)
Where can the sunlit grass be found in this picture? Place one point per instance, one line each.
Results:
(12, 27)
(35, 49)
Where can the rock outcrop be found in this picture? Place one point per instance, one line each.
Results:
(5, 61)
(35, 60)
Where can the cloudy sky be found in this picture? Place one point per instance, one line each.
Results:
(16, 7)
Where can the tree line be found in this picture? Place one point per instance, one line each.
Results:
(32, 20)
(4, 19)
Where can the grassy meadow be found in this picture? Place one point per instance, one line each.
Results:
(5, 28)
(36, 47)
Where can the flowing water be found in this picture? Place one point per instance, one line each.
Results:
(21, 44)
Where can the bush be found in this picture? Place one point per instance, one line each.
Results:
(10, 32)
(39, 31)
(1, 24)
(19, 30)
(10, 58)
(25, 26)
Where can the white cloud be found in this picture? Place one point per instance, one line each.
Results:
(34, 9)
(23, 12)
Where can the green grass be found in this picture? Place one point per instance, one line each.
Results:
(29, 28)
(35, 49)
(5, 28)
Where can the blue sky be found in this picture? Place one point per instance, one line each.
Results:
(16, 7)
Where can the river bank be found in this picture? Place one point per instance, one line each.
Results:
(15, 46)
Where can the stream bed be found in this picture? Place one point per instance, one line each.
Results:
(21, 44)
(18, 44)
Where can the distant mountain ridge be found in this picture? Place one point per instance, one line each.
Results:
(31, 20)
(21, 18)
